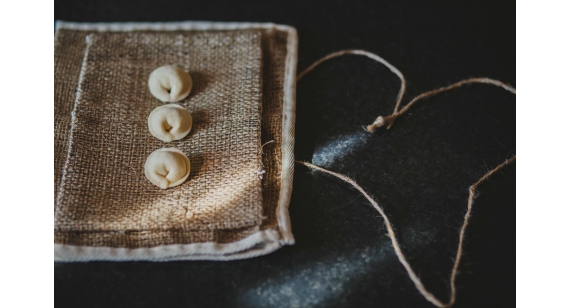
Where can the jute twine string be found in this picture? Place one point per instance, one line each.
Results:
(388, 121)
(381, 121)
(366, 54)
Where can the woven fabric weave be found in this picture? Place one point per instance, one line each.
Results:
(103, 186)
(278, 48)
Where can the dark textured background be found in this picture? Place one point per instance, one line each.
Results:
(419, 171)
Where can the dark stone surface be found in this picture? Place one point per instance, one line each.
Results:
(419, 171)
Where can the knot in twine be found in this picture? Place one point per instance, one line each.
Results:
(388, 121)
(381, 121)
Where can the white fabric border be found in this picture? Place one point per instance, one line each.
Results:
(257, 244)
(170, 26)
(288, 139)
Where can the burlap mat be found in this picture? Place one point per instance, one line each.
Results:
(202, 228)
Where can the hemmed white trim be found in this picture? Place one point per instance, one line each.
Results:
(168, 26)
(288, 140)
(257, 244)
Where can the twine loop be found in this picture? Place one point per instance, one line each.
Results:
(388, 121)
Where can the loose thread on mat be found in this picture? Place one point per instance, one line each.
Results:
(261, 172)
(388, 121)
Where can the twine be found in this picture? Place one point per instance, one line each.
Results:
(381, 121)
(366, 54)
(388, 121)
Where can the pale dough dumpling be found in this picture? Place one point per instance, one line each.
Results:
(167, 167)
(169, 83)
(169, 122)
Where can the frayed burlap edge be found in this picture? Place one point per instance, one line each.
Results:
(259, 243)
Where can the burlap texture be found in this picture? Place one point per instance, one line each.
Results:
(70, 47)
(103, 186)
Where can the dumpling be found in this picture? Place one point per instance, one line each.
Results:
(169, 83)
(169, 122)
(167, 167)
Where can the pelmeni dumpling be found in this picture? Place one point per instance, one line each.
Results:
(169, 122)
(167, 167)
(169, 83)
